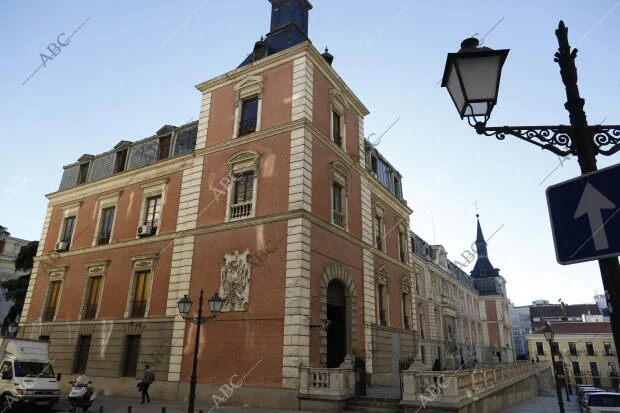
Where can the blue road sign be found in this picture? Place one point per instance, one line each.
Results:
(585, 216)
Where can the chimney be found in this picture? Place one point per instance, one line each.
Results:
(285, 12)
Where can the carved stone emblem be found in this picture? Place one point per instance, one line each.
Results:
(235, 282)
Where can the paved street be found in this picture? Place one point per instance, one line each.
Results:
(544, 405)
(119, 405)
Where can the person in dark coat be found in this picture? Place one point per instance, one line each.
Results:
(145, 382)
(436, 367)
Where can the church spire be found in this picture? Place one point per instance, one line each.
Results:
(481, 244)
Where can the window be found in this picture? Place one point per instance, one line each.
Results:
(67, 232)
(572, 348)
(589, 349)
(594, 369)
(243, 195)
(421, 323)
(612, 368)
(119, 162)
(539, 348)
(402, 246)
(336, 135)
(53, 296)
(83, 173)
(608, 351)
(382, 317)
(576, 368)
(249, 116)
(164, 147)
(378, 232)
(340, 177)
(406, 311)
(44, 338)
(140, 295)
(92, 298)
(152, 213)
(130, 357)
(338, 207)
(423, 353)
(555, 348)
(397, 188)
(81, 355)
(105, 229)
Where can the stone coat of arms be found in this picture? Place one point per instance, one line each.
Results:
(235, 281)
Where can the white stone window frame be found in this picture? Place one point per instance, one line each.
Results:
(382, 278)
(54, 274)
(94, 269)
(406, 288)
(338, 104)
(151, 190)
(241, 162)
(251, 86)
(402, 230)
(71, 210)
(104, 202)
(140, 263)
(340, 175)
(379, 212)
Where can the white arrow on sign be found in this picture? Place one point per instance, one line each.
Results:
(591, 204)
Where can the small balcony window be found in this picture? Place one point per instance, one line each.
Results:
(243, 195)
(249, 116)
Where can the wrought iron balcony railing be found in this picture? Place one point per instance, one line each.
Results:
(138, 309)
(90, 312)
(382, 320)
(49, 314)
(247, 126)
(339, 219)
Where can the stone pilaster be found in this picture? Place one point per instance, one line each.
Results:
(303, 92)
(203, 122)
(368, 271)
(35, 266)
(296, 346)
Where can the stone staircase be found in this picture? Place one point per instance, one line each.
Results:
(366, 404)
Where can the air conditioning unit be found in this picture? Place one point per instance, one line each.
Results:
(62, 246)
(145, 230)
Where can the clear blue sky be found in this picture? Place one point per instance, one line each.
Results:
(132, 67)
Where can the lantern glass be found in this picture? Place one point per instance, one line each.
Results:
(215, 303)
(13, 327)
(184, 304)
(549, 334)
(472, 78)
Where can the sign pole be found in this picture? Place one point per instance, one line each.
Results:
(584, 143)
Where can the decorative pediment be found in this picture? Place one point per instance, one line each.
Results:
(247, 158)
(122, 145)
(406, 281)
(144, 262)
(382, 274)
(57, 273)
(166, 129)
(235, 281)
(85, 158)
(339, 100)
(97, 268)
(247, 87)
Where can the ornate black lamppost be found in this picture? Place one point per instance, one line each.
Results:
(549, 335)
(472, 78)
(13, 328)
(185, 304)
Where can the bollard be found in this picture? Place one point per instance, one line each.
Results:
(128, 409)
(163, 410)
(100, 409)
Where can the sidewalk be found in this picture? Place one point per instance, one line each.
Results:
(544, 405)
(119, 405)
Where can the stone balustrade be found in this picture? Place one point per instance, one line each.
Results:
(326, 382)
(455, 386)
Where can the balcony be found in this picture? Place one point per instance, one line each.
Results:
(90, 312)
(49, 313)
(103, 239)
(247, 126)
(138, 309)
(339, 219)
(241, 210)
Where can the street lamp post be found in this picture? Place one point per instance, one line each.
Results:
(549, 335)
(472, 77)
(13, 329)
(185, 304)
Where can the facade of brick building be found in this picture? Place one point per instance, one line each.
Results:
(275, 201)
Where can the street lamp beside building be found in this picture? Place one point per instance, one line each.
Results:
(472, 77)
(185, 304)
(549, 335)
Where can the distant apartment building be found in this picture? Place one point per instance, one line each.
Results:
(586, 351)
(541, 314)
(521, 326)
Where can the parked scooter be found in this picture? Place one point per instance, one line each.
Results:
(82, 395)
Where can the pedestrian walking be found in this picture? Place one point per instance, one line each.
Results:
(145, 382)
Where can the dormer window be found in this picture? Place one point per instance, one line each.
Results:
(397, 188)
(83, 173)
(121, 158)
(164, 147)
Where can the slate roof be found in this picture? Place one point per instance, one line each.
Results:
(577, 328)
(554, 310)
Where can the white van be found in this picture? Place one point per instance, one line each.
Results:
(26, 374)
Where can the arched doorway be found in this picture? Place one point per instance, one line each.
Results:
(337, 329)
